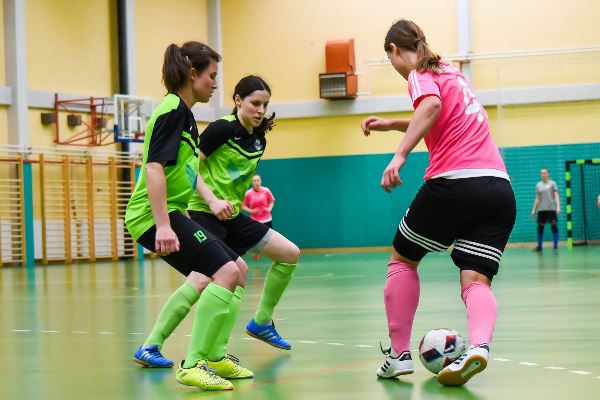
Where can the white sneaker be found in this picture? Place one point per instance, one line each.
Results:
(394, 364)
(465, 367)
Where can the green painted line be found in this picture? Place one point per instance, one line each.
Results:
(595, 160)
(580, 162)
(28, 204)
(570, 242)
(568, 175)
(569, 225)
(568, 192)
(569, 209)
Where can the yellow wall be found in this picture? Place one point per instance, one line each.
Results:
(158, 24)
(69, 46)
(557, 123)
(2, 65)
(3, 125)
(510, 25)
(317, 137)
(284, 41)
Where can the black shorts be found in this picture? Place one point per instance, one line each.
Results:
(546, 217)
(475, 214)
(199, 250)
(240, 233)
(269, 224)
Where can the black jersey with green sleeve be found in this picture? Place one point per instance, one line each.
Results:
(232, 155)
(171, 139)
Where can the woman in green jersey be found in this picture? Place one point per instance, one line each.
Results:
(230, 149)
(156, 218)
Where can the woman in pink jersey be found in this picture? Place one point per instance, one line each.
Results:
(259, 202)
(466, 200)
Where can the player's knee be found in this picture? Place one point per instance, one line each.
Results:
(243, 271)
(468, 276)
(291, 254)
(198, 280)
(395, 256)
(227, 276)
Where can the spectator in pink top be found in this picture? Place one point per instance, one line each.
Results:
(466, 201)
(259, 202)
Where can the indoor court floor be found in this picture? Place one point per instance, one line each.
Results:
(69, 331)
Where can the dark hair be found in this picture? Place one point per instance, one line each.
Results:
(407, 35)
(178, 61)
(245, 87)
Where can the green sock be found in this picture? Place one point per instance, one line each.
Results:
(173, 312)
(220, 347)
(276, 282)
(211, 313)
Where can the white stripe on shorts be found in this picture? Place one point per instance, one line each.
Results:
(482, 246)
(476, 253)
(422, 241)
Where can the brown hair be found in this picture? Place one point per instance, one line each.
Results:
(407, 35)
(245, 87)
(178, 61)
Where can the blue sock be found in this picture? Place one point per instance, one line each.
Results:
(540, 240)
(555, 239)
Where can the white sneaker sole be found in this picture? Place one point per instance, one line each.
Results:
(474, 365)
(397, 374)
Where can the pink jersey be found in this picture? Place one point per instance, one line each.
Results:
(259, 200)
(460, 143)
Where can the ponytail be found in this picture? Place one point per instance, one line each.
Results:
(179, 60)
(407, 35)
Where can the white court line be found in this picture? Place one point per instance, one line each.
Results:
(79, 332)
(50, 331)
(336, 344)
(528, 364)
(21, 330)
(502, 359)
(107, 333)
(554, 368)
(136, 333)
(307, 341)
(281, 319)
(188, 335)
(363, 345)
(581, 372)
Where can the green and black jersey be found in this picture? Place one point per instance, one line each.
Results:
(171, 139)
(232, 155)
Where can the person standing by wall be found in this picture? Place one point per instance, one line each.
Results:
(547, 205)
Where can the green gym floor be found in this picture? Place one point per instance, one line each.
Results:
(68, 332)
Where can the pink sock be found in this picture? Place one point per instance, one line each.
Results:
(401, 296)
(481, 312)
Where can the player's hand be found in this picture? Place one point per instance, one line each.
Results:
(391, 175)
(166, 241)
(533, 214)
(222, 209)
(374, 123)
(557, 210)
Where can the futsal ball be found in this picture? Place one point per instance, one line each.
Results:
(439, 348)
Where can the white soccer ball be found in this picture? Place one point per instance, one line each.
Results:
(439, 348)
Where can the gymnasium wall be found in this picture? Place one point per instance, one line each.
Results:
(158, 24)
(3, 109)
(332, 172)
(71, 48)
(323, 169)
